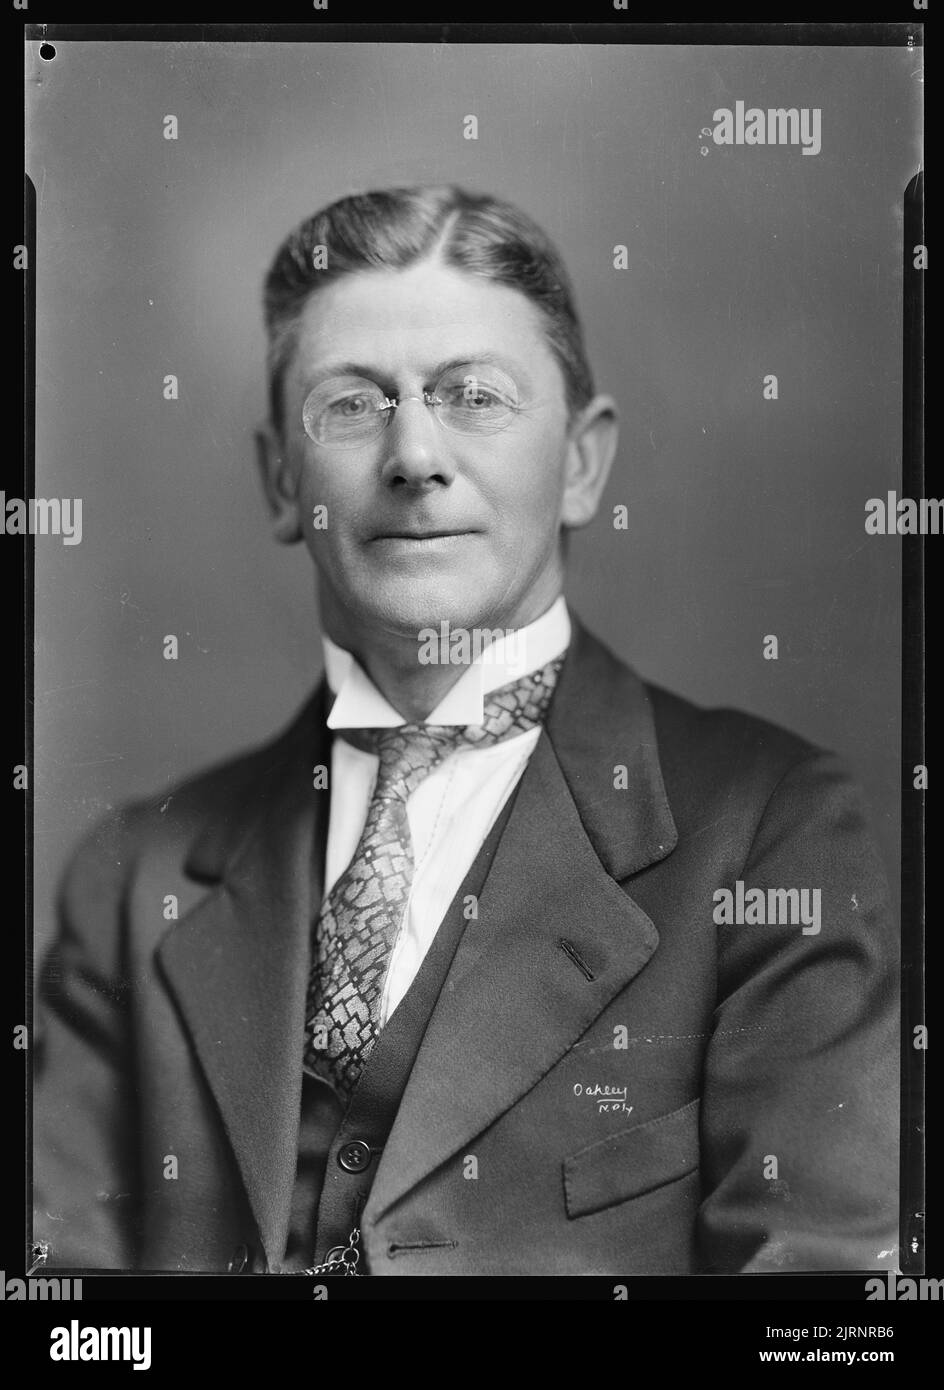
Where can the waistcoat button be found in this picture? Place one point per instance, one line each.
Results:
(355, 1156)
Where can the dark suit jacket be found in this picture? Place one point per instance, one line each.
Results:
(759, 1063)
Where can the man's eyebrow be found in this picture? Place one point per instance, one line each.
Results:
(374, 372)
(486, 358)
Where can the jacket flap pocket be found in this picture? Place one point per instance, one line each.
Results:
(632, 1162)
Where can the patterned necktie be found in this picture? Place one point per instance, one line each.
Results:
(361, 917)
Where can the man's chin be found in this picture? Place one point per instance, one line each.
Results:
(411, 611)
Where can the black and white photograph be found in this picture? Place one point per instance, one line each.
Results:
(470, 783)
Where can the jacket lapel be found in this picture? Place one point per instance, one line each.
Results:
(515, 999)
(238, 962)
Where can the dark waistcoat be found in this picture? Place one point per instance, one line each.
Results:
(339, 1150)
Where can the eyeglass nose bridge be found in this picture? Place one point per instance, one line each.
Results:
(391, 403)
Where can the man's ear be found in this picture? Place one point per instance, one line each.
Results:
(278, 485)
(591, 448)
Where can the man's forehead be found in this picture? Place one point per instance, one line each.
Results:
(403, 315)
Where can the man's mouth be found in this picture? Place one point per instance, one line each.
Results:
(423, 533)
(427, 543)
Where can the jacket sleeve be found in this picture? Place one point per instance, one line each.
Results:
(800, 1109)
(84, 1165)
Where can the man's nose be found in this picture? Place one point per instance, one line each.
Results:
(415, 453)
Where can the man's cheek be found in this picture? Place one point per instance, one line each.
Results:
(531, 512)
(327, 510)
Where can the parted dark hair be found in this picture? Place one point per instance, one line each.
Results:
(393, 228)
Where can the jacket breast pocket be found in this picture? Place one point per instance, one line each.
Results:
(632, 1162)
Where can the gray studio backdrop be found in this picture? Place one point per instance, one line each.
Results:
(746, 516)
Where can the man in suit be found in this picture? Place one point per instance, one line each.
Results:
(499, 960)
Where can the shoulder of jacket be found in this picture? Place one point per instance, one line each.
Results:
(177, 812)
(720, 747)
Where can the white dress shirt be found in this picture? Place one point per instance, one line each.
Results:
(453, 809)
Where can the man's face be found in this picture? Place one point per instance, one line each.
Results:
(423, 524)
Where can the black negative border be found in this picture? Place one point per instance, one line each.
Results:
(912, 1175)
(165, 1285)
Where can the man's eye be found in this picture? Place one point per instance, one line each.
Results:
(352, 407)
(475, 395)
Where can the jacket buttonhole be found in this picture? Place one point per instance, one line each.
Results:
(571, 951)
